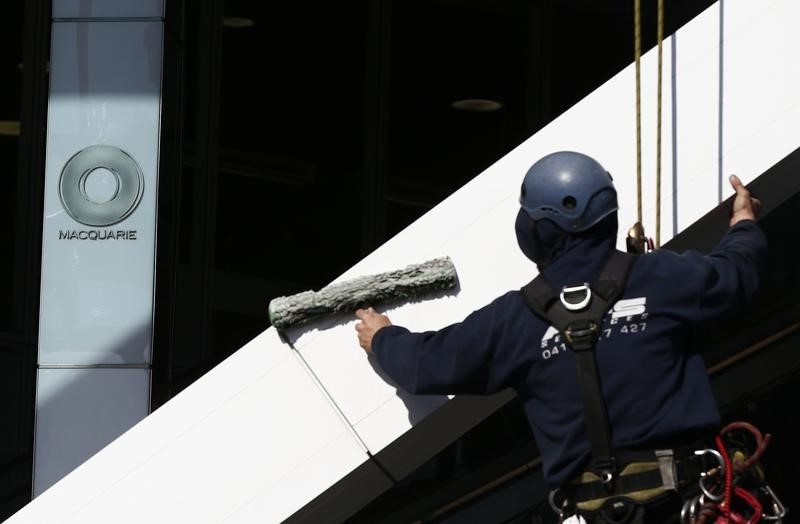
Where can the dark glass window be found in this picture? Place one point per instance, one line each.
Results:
(312, 134)
(24, 47)
(11, 65)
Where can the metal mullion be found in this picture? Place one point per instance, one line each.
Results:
(27, 246)
(206, 176)
(169, 204)
(30, 177)
(376, 137)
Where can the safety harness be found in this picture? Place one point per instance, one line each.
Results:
(616, 481)
(626, 477)
(619, 482)
(577, 313)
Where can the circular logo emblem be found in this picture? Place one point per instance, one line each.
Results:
(100, 185)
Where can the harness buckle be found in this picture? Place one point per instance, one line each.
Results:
(580, 332)
(666, 466)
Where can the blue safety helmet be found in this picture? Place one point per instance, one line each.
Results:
(571, 189)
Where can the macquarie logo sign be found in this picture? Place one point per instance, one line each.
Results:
(99, 187)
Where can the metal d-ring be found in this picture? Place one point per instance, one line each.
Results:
(579, 305)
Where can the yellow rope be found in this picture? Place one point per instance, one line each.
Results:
(637, 32)
(637, 20)
(658, 125)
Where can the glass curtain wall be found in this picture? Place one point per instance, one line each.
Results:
(310, 133)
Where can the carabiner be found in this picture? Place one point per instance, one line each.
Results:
(706, 475)
(778, 509)
(689, 510)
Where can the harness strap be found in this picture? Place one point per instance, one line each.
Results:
(580, 330)
(642, 478)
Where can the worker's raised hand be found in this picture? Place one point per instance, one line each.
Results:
(745, 207)
(369, 323)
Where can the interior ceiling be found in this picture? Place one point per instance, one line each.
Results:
(306, 65)
(326, 106)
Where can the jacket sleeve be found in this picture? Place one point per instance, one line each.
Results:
(454, 360)
(734, 271)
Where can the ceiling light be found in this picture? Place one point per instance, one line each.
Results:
(477, 105)
(9, 127)
(237, 22)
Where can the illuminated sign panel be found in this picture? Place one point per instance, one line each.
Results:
(98, 246)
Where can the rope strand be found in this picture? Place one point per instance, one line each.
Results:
(637, 53)
(658, 123)
(637, 56)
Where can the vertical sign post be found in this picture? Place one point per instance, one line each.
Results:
(98, 245)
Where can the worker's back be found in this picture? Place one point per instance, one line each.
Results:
(654, 382)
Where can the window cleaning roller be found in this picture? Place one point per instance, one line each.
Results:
(413, 282)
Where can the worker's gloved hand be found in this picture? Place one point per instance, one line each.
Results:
(370, 322)
(745, 207)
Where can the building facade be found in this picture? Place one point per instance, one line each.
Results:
(175, 165)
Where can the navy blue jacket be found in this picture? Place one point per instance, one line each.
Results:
(654, 382)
